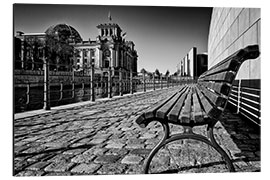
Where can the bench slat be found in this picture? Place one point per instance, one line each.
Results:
(215, 99)
(197, 111)
(208, 108)
(174, 113)
(148, 114)
(227, 65)
(151, 112)
(162, 111)
(185, 113)
(221, 88)
(227, 76)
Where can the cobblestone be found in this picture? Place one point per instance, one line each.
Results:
(131, 159)
(85, 168)
(102, 138)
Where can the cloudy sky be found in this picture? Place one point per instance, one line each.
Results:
(162, 35)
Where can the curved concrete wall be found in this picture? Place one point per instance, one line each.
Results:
(230, 30)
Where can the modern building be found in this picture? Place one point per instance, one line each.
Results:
(193, 64)
(230, 30)
(108, 50)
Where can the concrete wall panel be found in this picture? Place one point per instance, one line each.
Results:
(230, 30)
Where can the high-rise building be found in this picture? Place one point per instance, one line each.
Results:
(193, 64)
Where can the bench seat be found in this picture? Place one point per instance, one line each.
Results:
(199, 103)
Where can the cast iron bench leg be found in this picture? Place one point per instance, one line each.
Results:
(187, 135)
(166, 135)
(219, 149)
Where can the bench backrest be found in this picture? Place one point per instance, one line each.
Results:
(214, 85)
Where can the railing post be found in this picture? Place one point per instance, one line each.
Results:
(27, 93)
(121, 81)
(82, 88)
(61, 91)
(154, 81)
(46, 83)
(92, 81)
(161, 82)
(238, 97)
(144, 85)
(131, 83)
(109, 83)
(167, 81)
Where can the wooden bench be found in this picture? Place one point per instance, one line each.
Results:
(198, 104)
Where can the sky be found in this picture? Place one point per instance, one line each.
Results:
(162, 35)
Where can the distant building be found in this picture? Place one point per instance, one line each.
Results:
(110, 49)
(193, 64)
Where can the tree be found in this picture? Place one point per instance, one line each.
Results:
(59, 51)
(167, 73)
(157, 72)
(143, 71)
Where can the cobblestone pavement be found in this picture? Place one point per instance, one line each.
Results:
(102, 138)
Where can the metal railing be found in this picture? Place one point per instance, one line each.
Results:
(41, 88)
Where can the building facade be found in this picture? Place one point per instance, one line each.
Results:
(108, 50)
(230, 30)
(193, 64)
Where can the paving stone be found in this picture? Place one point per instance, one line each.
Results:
(60, 166)
(134, 169)
(85, 168)
(111, 169)
(97, 141)
(57, 174)
(38, 166)
(74, 151)
(115, 145)
(131, 159)
(140, 151)
(96, 150)
(30, 173)
(60, 157)
(120, 152)
(107, 159)
(37, 157)
(83, 158)
(148, 136)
